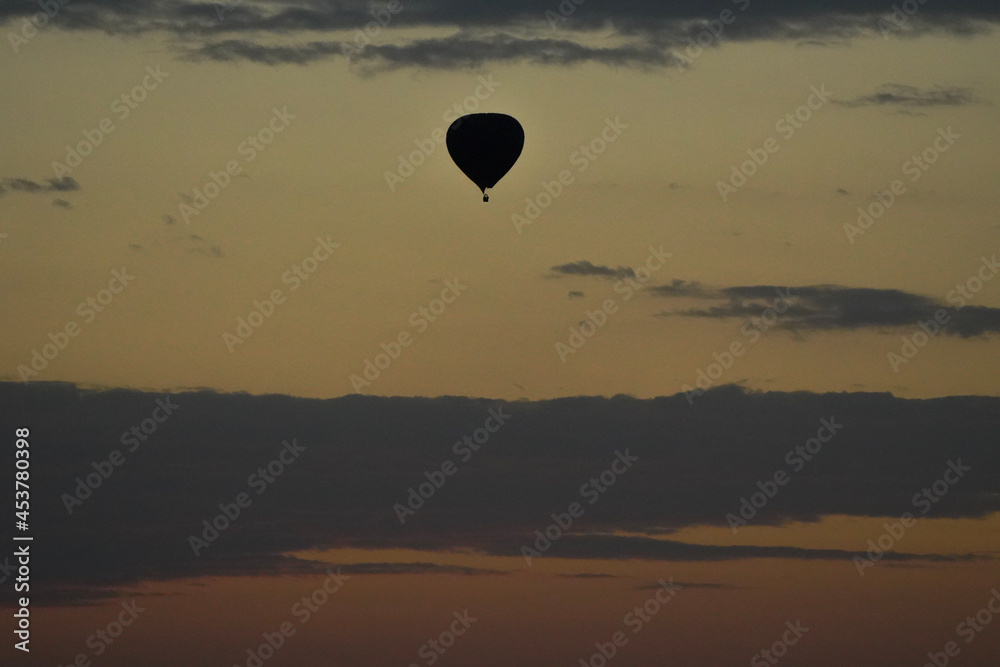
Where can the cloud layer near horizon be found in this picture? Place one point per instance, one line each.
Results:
(363, 454)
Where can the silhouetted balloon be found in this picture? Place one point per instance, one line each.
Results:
(485, 146)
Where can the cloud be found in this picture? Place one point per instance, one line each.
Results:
(585, 268)
(831, 307)
(64, 184)
(214, 250)
(476, 32)
(22, 185)
(363, 454)
(198, 245)
(803, 19)
(413, 568)
(679, 287)
(453, 52)
(61, 203)
(655, 585)
(239, 49)
(908, 97)
(80, 596)
(614, 547)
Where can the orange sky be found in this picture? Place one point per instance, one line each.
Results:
(323, 176)
(116, 282)
(893, 615)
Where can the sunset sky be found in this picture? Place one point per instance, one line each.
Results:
(249, 197)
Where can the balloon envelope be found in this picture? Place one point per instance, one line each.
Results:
(485, 146)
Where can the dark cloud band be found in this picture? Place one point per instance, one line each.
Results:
(481, 31)
(364, 453)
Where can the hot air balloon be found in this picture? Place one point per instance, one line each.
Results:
(485, 146)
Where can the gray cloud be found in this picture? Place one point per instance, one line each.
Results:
(482, 31)
(801, 18)
(445, 53)
(64, 184)
(655, 585)
(831, 307)
(413, 568)
(214, 250)
(585, 268)
(897, 94)
(364, 453)
(615, 547)
(678, 287)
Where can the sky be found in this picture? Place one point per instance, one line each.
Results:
(729, 221)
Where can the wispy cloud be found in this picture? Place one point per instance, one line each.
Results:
(414, 568)
(475, 32)
(899, 95)
(454, 52)
(615, 547)
(831, 307)
(585, 268)
(26, 185)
